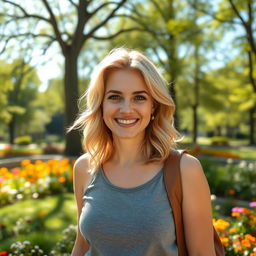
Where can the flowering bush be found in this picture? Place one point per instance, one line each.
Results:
(34, 180)
(238, 233)
(25, 248)
(233, 180)
(65, 245)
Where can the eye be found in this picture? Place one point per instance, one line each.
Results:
(139, 97)
(114, 97)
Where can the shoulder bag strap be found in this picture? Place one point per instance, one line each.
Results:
(173, 185)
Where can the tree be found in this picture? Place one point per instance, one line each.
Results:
(70, 26)
(239, 15)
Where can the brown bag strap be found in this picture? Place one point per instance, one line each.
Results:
(172, 178)
(173, 185)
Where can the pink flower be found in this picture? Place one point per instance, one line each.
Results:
(237, 209)
(252, 204)
(15, 171)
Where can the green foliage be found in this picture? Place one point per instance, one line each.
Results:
(66, 243)
(219, 141)
(23, 140)
(231, 180)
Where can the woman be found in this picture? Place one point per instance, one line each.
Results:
(128, 131)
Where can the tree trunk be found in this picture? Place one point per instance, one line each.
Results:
(73, 140)
(252, 118)
(195, 123)
(12, 130)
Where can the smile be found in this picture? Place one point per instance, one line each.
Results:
(126, 123)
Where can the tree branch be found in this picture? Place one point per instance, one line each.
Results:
(237, 12)
(100, 7)
(111, 14)
(144, 25)
(26, 15)
(116, 34)
(212, 14)
(55, 26)
(73, 3)
(158, 57)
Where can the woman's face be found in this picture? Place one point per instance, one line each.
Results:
(127, 104)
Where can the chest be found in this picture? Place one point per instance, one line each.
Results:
(140, 214)
(132, 176)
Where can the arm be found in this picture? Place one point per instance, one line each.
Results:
(81, 180)
(197, 212)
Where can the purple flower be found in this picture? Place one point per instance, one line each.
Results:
(252, 204)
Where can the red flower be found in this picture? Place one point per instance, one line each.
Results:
(4, 253)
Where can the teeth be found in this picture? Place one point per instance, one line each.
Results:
(122, 121)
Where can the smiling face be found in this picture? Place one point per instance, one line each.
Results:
(127, 104)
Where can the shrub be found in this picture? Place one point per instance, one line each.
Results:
(65, 245)
(231, 180)
(25, 248)
(219, 141)
(23, 140)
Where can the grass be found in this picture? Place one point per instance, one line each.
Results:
(56, 213)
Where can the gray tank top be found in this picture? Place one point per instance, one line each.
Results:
(134, 221)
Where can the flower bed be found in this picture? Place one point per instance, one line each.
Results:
(35, 180)
(238, 233)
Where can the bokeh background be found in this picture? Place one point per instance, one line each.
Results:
(206, 50)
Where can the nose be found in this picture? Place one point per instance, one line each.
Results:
(126, 107)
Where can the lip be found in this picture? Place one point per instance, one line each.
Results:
(126, 125)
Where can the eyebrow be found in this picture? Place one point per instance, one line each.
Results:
(118, 92)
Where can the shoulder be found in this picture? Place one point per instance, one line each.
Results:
(191, 170)
(80, 170)
(189, 163)
(82, 163)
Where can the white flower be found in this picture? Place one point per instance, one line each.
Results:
(27, 184)
(19, 196)
(251, 166)
(242, 164)
(230, 161)
(213, 197)
(35, 195)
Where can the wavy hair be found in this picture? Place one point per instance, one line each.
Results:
(160, 134)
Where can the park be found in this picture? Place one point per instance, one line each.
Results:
(206, 52)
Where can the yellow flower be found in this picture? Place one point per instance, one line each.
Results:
(25, 162)
(232, 230)
(224, 241)
(220, 224)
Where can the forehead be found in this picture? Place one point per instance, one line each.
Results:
(125, 81)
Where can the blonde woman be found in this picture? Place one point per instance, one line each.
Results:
(128, 133)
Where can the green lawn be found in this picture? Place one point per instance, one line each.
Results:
(54, 212)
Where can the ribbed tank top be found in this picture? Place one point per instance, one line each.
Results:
(134, 221)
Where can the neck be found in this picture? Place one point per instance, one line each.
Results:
(127, 152)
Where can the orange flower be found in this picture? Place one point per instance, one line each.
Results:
(250, 238)
(238, 249)
(232, 230)
(220, 224)
(62, 179)
(236, 214)
(25, 162)
(231, 191)
(224, 241)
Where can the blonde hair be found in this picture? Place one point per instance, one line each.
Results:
(160, 134)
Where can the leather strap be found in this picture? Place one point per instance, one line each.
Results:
(173, 185)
